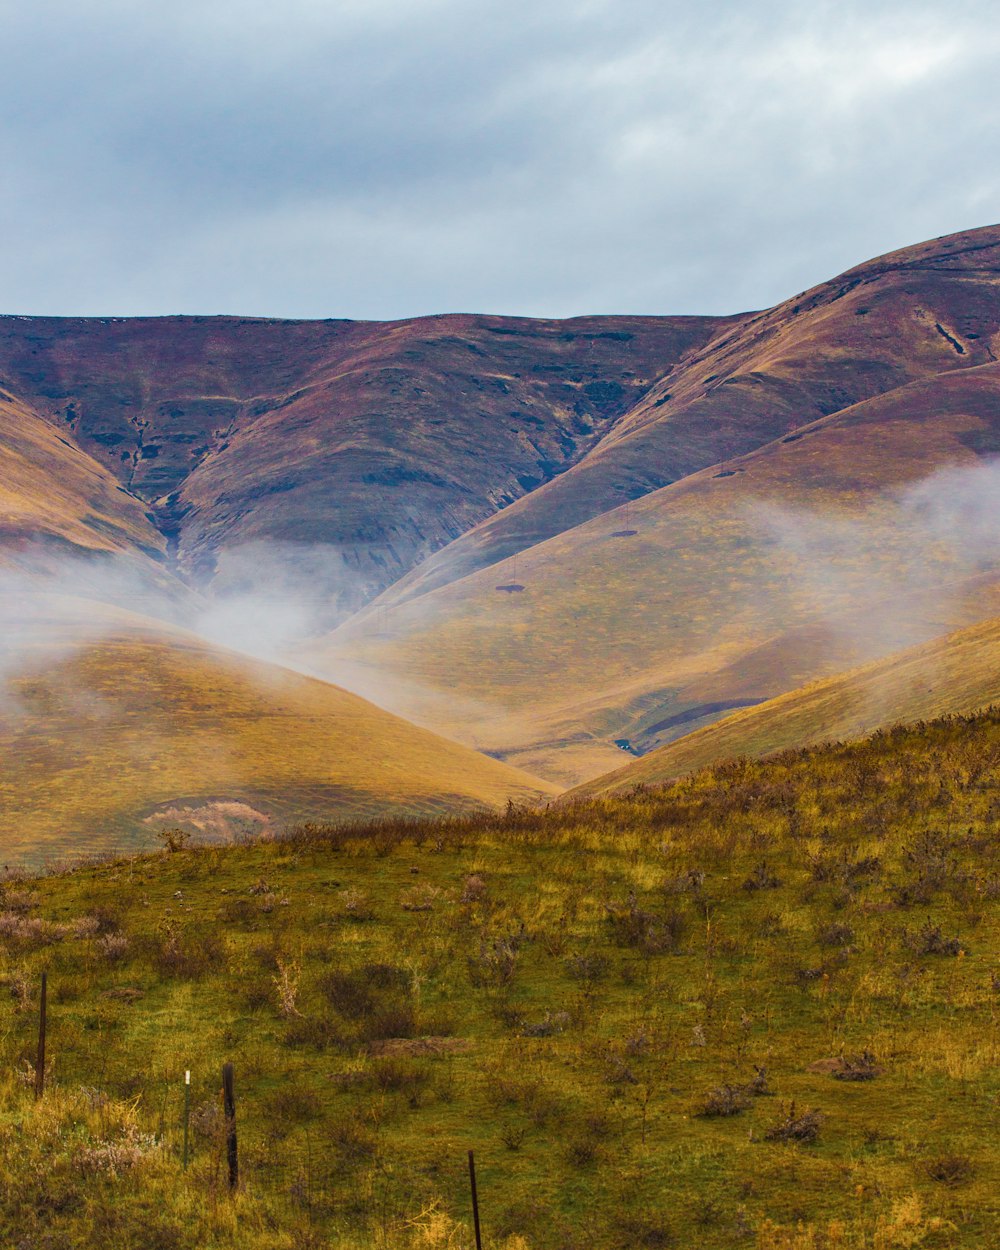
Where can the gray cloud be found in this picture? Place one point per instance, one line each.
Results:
(395, 157)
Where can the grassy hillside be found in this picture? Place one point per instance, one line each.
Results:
(54, 495)
(955, 675)
(104, 740)
(816, 553)
(754, 1008)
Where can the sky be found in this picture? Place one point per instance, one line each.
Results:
(391, 158)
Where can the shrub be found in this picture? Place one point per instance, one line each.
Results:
(796, 1126)
(835, 935)
(726, 1100)
(729, 1100)
(930, 940)
(762, 878)
(113, 947)
(950, 1170)
(642, 930)
(861, 1067)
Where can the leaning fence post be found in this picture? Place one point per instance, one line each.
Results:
(475, 1200)
(229, 1103)
(40, 1059)
(187, 1113)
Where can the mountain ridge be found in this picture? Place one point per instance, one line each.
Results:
(547, 540)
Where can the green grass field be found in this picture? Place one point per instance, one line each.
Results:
(757, 1007)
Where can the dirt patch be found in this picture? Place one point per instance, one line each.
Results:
(219, 820)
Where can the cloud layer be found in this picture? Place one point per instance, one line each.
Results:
(395, 157)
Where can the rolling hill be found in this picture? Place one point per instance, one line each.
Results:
(952, 676)
(908, 316)
(114, 729)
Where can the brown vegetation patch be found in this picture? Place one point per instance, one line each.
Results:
(419, 1046)
(860, 1067)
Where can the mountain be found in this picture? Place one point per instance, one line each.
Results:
(112, 732)
(563, 544)
(911, 315)
(957, 675)
(54, 497)
(378, 442)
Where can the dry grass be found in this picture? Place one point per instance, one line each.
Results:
(957, 674)
(584, 983)
(144, 728)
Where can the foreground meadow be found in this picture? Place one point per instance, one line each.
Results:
(755, 1008)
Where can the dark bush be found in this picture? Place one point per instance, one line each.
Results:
(795, 1126)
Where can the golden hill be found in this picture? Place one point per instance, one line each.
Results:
(104, 740)
(55, 496)
(955, 675)
(824, 549)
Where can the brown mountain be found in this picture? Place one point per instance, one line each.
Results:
(379, 441)
(798, 559)
(55, 498)
(810, 556)
(550, 540)
(910, 315)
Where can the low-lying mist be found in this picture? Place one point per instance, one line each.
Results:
(892, 570)
(897, 570)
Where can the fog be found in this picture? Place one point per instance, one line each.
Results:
(897, 571)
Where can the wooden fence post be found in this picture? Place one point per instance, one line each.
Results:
(40, 1059)
(475, 1200)
(229, 1103)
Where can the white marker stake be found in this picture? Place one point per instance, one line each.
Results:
(187, 1112)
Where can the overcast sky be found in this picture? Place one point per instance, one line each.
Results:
(386, 158)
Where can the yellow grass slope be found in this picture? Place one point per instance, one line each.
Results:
(955, 675)
(106, 740)
(803, 559)
(52, 492)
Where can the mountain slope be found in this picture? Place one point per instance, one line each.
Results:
(818, 552)
(894, 320)
(378, 442)
(955, 675)
(108, 735)
(53, 495)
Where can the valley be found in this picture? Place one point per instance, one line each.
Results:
(550, 547)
